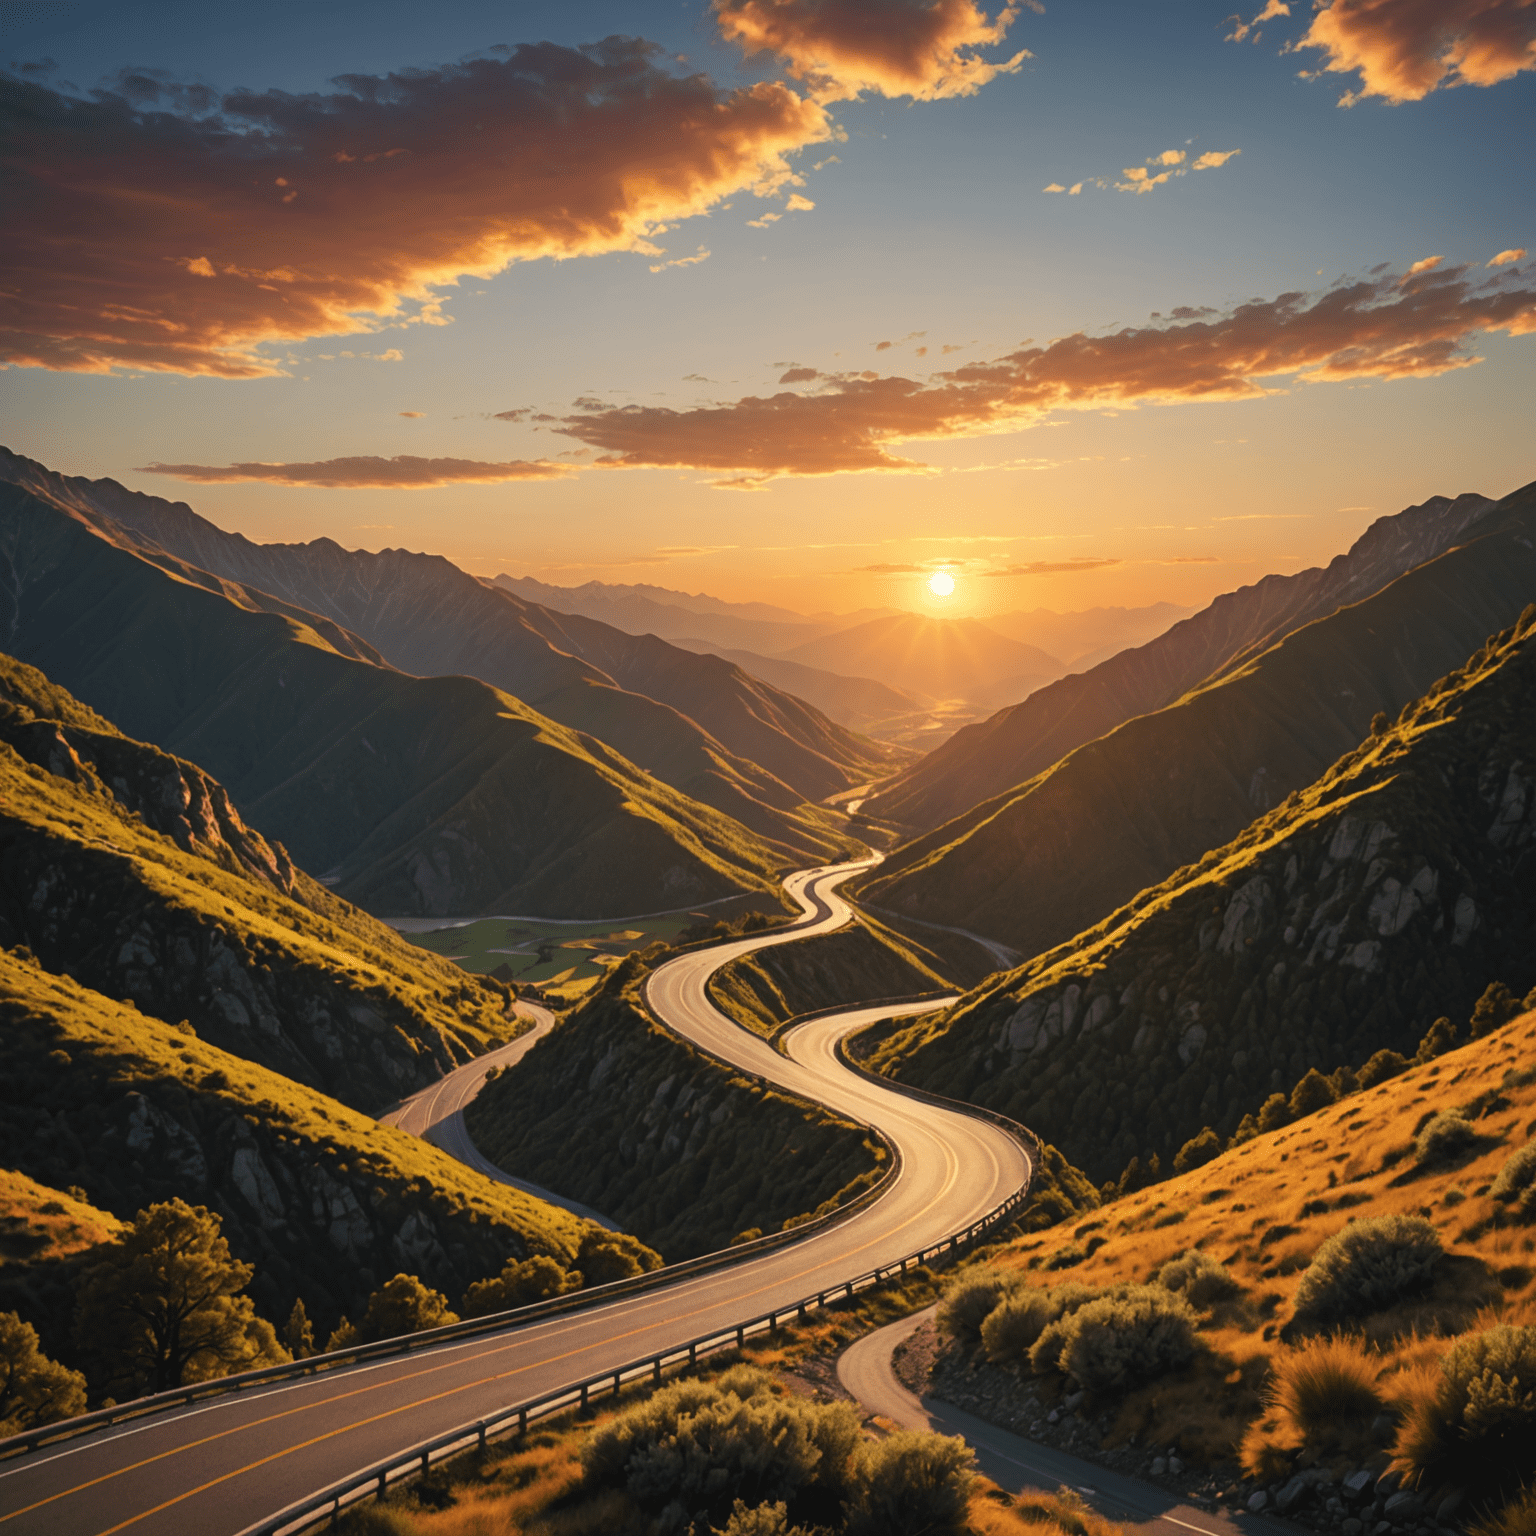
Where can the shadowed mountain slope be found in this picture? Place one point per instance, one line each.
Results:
(1053, 856)
(409, 795)
(1387, 893)
(697, 723)
(940, 658)
(985, 759)
(1089, 636)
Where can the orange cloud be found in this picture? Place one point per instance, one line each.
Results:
(926, 49)
(403, 472)
(1504, 258)
(1404, 49)
(1054, 567)
(1384, 327)
(147, 231)
(1242, 29)
(1214, 159)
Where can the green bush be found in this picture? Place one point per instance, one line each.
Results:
(1017, 1321)
(969, 1300)
(1445, 1137)
(1202, 1280)
(1516, 1183)
(911, 1484)
(1120, 1340)
(1371, 1264)
(1477, 1430)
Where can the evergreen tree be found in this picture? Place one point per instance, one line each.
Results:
(33, 1389)
(299, 1332)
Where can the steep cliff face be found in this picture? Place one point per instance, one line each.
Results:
(325, 1202)
(986, 759)
(619, 1113)
(1391, 891)
(1054, 855)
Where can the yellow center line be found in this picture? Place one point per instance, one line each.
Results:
(395, 1381)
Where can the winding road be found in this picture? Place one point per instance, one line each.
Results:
(230, 1462)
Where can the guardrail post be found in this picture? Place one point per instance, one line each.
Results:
(522, 1422)
(693, 1354)
(656, 1369)
(741, 1335)
(480, 1437)
(616, 1376)
(849, 1289)
(801, 1311)
(583, 1394)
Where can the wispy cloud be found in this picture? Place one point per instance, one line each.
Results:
(682, 261)
(926, 49)
(1242, 31)
(1054, 567)
(1384, 326)
(1405, 49)
(413, 415)
(403, 472)
(1505, 258)
(1157, 171)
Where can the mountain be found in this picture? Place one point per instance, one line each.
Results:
(860, 703)
(649, 610)
(130, 869)
(408, 795)
(1387, 893)
(939, 658)
(1017, 743)
(1084, 639)
(695, 722)
(1050, 858)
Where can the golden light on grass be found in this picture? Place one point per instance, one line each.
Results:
(941, 583)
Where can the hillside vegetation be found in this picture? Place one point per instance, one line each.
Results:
(407, 795)
(326, 1202)
(865, 960)
(698, 724)
(1057, 854)
(1015, 744)
(220, 932)
(1388, 893)
(618, 1112)
(1326, 1294)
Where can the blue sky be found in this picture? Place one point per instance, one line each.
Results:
(932, 220)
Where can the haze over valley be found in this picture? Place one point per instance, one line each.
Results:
(766, 769)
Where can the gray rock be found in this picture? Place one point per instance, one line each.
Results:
(1159, 1466)
(1388, 1482)
(1452, 1502)
(1291, 1495)
(1383, 1528)
(1403, 1506)
(1353, 1527)
(1073, 1402)
(1054, 1416)
(1358, 1484)
(1175, 1466)
(1258, 1502)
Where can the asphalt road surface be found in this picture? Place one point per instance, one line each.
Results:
(1015, 1463)
(218, 1467)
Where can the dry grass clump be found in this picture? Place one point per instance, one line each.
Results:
(1065, 1511)
(1475, 1427)
(1324, 1394)
(1516, 1183)
(1516, 1518)
(1371, 1264)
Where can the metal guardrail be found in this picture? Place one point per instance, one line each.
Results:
(329, 1503)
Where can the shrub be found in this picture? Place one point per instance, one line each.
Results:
(764, 1520)
(1312, 1093)
(1440, 1039)
(403, 1305)
(911, 1484)
(1477, 1428)
(1326, 1388)
(1371, 1264)
(1120, 1340)
(1197, 1151)
(969, 1300)
(1496, 1007)
(1516, 1182)
(1443, 1138)
(1017, 1321)
(520, 1284)
(1380, 1067)
(1202, 1280)
(33, 1389)
(605, 1256)
(1275, 1113)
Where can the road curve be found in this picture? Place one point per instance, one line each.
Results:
(436, 1113)
(229, 1462)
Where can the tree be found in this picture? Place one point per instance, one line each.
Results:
(403, 1305)
(520, 1284)
(1498, 1005)
(1312, 1093)
(33, 1389)
(299, 1332)
(605, 1256)
(1197, 1151)
(164, 1306)
(1440, 1039)
(1274, 1114)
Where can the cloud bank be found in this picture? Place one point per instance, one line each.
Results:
(154, 226)
(926, 49)
(403, 472)
(1387, 326)
(1404, 49)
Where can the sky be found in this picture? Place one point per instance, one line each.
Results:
(790, 301)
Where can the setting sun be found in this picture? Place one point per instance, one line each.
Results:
(941, 583)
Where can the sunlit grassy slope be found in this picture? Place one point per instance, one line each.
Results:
(325, 1201)
(408, 795)
(220, 931)
(1387, 893)
(1053, 855)
(1264, 1208)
